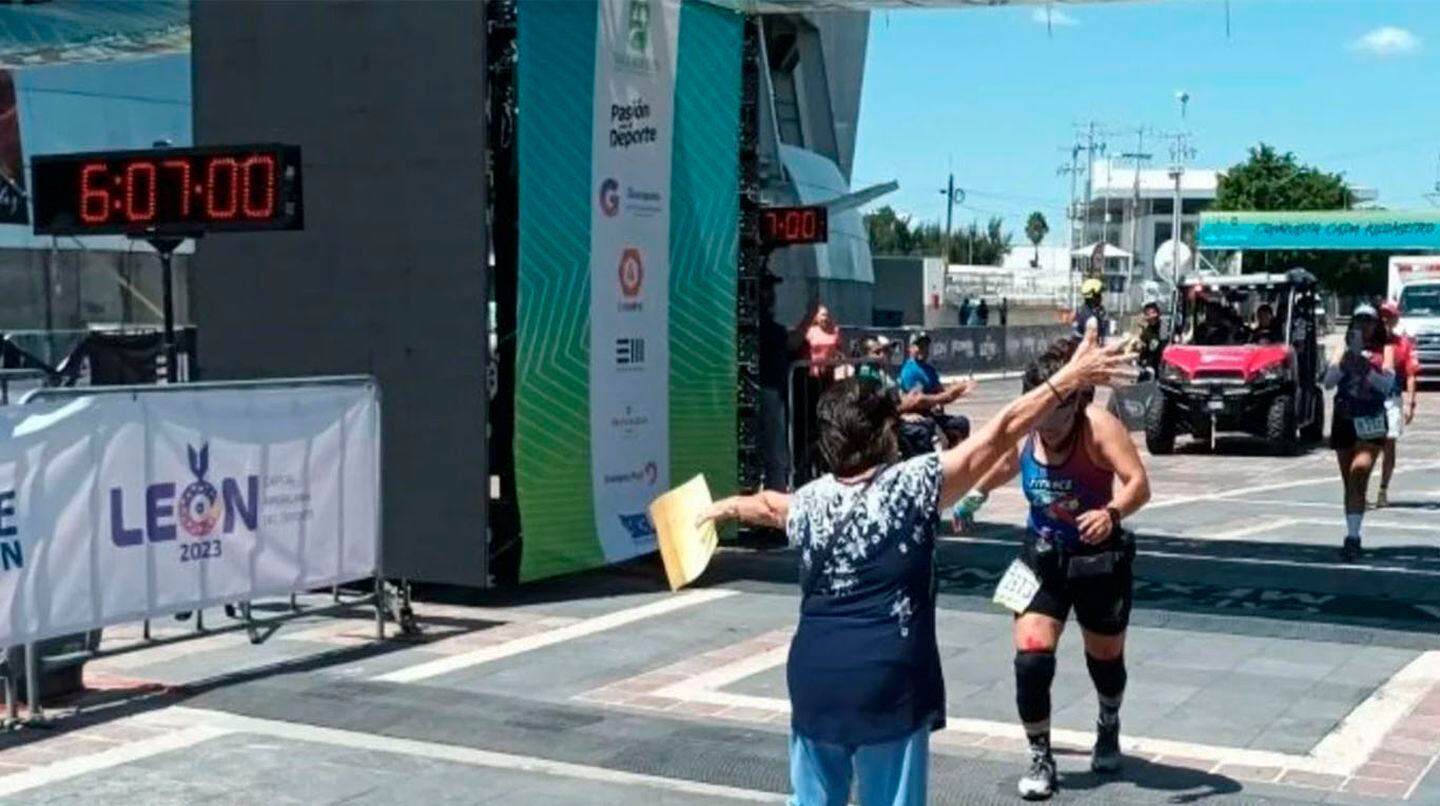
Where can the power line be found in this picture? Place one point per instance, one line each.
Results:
(108, 95)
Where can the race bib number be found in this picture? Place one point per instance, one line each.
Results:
(1017, 588)
(1370, 428)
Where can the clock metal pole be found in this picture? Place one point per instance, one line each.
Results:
(165, 247)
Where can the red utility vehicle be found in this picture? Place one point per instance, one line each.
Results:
(1227, 369)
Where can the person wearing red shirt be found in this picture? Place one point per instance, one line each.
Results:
(1400, 408)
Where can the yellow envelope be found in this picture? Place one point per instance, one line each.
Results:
(685, 547)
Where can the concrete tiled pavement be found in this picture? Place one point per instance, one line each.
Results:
(1260, 673)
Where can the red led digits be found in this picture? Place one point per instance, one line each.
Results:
(140, 201)
(182, 168)
(94, 200)
(231, 205)
(183, 192)
(258, 173)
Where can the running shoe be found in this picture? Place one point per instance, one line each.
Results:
(1382, 499)
(1350, 550)
(1106, 755)
(1039, 782)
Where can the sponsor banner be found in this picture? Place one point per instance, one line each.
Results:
(115, 508)
(629, 221)
(1356, 230)
(630, 163)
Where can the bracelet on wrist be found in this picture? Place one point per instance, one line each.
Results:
(1059, 398)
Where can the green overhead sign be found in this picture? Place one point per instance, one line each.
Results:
(1357, 230)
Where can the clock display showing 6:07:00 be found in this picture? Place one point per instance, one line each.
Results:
(167, 190)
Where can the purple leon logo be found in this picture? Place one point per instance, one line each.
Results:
(201, 508)
(198, 510)
(609, 198)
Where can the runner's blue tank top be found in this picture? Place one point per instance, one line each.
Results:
(1058, 494)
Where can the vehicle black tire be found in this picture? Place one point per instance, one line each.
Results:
(1314, 431)
(1160, 423)
(1201, 429)
(1280, 425)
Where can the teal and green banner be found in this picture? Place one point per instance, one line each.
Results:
(628, 170)
(1352, 230)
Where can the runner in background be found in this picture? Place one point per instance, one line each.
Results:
(1363, 376)
(1093, 292)
(1082, 476)
(1400, 406)
(1150, 342)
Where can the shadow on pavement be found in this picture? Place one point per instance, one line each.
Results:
(121, 698)
(1237, 445)
(1428, 506)
(1185, 785)
(1305, 585)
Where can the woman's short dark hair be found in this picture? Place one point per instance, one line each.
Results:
(1049, 362)
(859, 426)
(1369, 331)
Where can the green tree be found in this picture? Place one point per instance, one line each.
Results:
(1036, 228)
(890, 233)
(893, 234)
(1269, 180)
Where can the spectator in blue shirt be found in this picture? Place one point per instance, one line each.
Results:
(918, 375)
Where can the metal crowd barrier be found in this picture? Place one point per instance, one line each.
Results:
(393, 600)
(967, 350)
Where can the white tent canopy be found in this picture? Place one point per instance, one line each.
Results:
(1111, 251)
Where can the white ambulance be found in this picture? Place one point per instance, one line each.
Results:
(1415, 284)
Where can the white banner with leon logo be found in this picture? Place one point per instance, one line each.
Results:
(634, 111)
(118, 507)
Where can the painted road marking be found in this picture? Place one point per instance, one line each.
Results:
(1215, 558)
(183, 739)
(1253, 529)
(1339, 523)
(1357, 736)
(1342, 751)
(1275, 502)
(294, 731)
(1265, 488)
(579, 629)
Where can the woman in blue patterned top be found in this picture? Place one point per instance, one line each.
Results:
(864, 669)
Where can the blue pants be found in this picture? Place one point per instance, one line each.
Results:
(890, 774)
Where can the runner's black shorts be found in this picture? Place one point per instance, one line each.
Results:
(1100, 588)
(1342, 434)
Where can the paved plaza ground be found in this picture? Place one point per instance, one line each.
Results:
(1262, 671)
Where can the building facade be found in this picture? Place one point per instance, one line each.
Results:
(811, 73)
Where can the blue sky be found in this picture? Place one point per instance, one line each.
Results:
(1350, 85)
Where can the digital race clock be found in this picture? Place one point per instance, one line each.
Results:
(168, 191)
(790, 226)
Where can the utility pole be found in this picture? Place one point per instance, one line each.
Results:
(1074, 170)
(1180, 152)
(1140, 157)
(1094, 143)
(1092, 136)
(953, 196)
